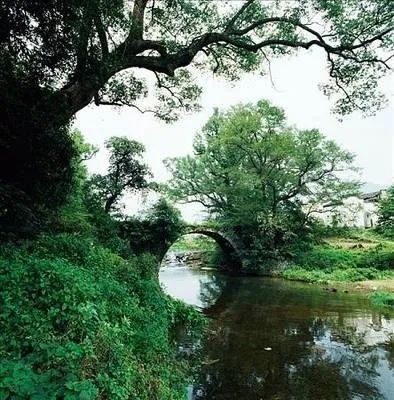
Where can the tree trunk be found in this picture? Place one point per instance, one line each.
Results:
(109, 203)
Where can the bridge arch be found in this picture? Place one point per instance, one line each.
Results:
(229, 246)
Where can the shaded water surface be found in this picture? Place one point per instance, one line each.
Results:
(272, 339)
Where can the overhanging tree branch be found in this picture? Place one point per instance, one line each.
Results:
(132, 53)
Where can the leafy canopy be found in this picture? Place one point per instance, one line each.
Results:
(251, 169)
(56, 57)
(80, 50)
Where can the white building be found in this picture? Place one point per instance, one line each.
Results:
(361, 212)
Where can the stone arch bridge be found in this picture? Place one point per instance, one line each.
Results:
(230, 245)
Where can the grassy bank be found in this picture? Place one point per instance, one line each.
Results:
(357, 256)
(383, 299)
(78, 321)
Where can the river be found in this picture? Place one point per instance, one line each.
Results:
(278, 340)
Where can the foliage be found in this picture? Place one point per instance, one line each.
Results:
(57, 57)
(80, 322)
(76, 57)
(386, 214)
(73, 215)
(126, 173)
(259, 177)
(347, 274)
(327, 258)
(154, 231)
(325, 263)
(36, 175)
(383, 299)
(82, 317)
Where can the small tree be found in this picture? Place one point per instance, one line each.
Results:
(386, 214)
(126, 173)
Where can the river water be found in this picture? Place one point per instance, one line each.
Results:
(277, 340)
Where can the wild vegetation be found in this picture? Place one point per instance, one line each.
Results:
(333, 259)
(348, 254)
(383, 299)
(58, 57)
(386, 214)
(82, 314)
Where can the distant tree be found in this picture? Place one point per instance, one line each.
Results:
(126, 173)
(386, 214)
(56, 57)
(257, 174)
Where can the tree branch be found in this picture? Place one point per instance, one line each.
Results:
(101, 34)
(137, 27)
(132, 52)
(233, 20)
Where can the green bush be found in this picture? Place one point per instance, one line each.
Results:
(327, 263)
(383, 299)
(382, 259)
(80, 322)
(386, 214)
(354, 263)
(155, 231)
(327, 258)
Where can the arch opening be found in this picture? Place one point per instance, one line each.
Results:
(223, 252)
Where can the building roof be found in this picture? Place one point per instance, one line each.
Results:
(372, 196)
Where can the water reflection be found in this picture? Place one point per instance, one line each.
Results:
(270, 339)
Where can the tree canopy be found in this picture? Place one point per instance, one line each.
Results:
(250, 168)
(77, 51)
(56, 57)
(126, 173)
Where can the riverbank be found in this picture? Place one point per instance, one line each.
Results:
(359, 261)
(81, 320)
(359, 256)
(354, 260)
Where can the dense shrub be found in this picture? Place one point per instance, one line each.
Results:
(327, 258)
(383, 299)
(324, 263)
(155, 231)
(378, 258)
(80, 322)
(386, 214)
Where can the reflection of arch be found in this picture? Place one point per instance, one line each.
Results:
(227, 244)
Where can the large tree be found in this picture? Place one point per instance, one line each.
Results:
(77, 51)
(260, 176)
(56, 57)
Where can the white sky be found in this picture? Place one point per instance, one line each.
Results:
(296, 90)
